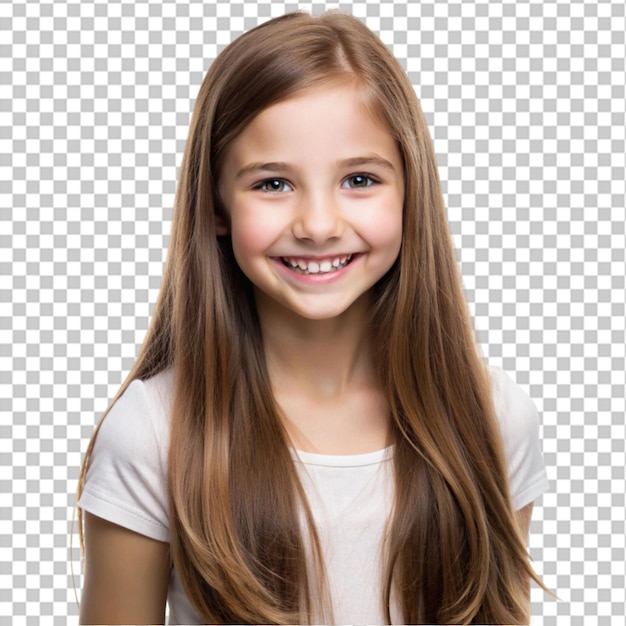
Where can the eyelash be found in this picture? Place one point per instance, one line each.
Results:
(261, 185)
(371, 179)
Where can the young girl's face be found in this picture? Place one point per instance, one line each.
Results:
(313, 190)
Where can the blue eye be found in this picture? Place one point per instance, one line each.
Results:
(274, 185)
(359, 181)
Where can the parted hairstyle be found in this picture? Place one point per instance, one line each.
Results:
(453, 550)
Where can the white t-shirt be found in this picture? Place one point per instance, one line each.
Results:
(349, 496)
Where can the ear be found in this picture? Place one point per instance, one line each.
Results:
(222, 227)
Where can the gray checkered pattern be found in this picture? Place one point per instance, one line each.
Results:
(526, 105)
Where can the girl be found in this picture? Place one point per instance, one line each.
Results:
(309, 434)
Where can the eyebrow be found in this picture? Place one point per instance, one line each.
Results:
(282, 167)
(265, 167)
(367, 160)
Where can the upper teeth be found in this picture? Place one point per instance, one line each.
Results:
(319, 266)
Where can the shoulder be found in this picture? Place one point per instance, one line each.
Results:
(516, 412)
(126, 480)
(137, 424)
(144, 408)
(519, 423)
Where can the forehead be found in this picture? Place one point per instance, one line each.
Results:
(322, 119)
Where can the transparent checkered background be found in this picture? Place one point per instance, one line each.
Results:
(525, 101)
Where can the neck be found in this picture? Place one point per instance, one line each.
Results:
(323, 378)
(321, 358)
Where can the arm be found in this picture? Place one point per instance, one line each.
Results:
(126, 575)
(524, 517)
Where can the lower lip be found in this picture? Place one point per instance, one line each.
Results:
(317, 279)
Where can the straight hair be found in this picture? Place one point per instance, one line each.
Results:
(242, 536)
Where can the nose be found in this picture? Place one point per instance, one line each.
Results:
(318, 218)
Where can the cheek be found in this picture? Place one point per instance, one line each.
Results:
(385, 230)
(246, 245)
(393, 239)
(396, 222)
(252, 234)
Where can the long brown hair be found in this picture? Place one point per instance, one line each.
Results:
(453, 552)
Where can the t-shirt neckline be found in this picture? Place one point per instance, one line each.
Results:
(343, 460)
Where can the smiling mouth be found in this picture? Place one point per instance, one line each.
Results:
(317, 266)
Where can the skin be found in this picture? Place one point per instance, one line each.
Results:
(314, 177)
(317, 177)
(524, 517)
(126, 574)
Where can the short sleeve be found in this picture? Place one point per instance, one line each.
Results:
(519, 424)
(126, 480)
